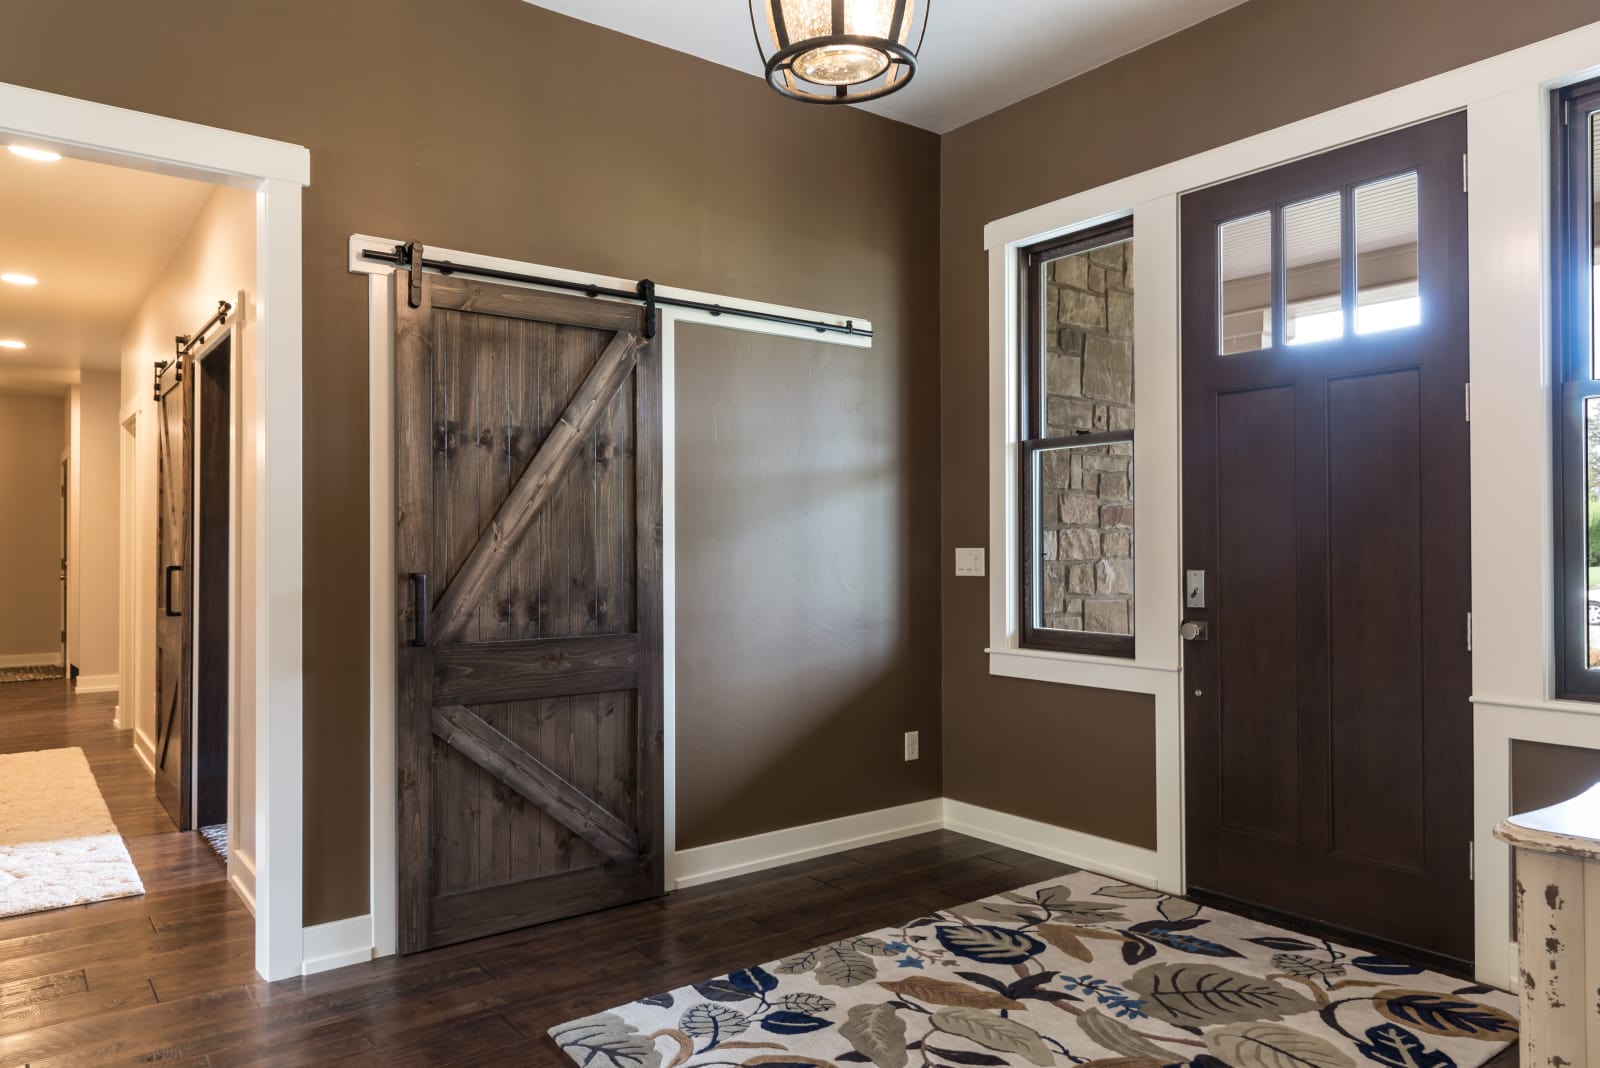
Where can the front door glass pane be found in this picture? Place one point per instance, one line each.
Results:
(1244, 248)
(1387, 292)
(1313, 246)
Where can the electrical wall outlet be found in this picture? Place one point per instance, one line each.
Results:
(913, 751)
(969, 563)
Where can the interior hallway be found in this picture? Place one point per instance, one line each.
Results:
(71, 975)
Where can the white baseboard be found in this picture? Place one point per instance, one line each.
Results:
(145, 749)
(724, 860)
(97, 683)
(52, 658)
(1101, 855)
(336, 945)
(242, 877)
(346, 942)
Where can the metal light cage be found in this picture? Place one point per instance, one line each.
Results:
(839, 51)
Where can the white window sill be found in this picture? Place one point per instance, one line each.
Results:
(1080, 669)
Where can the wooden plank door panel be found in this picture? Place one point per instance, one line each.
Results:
(529, 493)
(1327, 723)
(174, 565)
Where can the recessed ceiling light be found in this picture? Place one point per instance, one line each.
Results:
(18, 279)
(38, 155)
(11, 343)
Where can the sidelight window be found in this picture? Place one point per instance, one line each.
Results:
(1076, 518)
(1575, 328)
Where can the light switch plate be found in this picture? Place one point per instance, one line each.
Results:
(969, 563)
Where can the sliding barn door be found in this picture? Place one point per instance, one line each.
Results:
(174, 552)
(528, 547)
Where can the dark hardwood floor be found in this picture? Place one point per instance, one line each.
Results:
(169, 978)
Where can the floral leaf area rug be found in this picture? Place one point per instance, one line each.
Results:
(1076, 971)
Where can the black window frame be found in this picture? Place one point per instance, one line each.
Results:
(1031, 262)
(1573, 344)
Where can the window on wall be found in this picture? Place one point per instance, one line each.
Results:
(1576, 327)
(1077, 454)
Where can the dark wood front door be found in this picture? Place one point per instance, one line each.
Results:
(174, 559)
(529, 555)
(1328, 729)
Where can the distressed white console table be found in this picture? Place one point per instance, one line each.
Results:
(1558, 930)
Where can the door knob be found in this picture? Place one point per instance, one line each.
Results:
(1194, 631)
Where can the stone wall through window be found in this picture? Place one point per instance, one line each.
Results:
(1085, 501)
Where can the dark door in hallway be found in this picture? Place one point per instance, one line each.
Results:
(1325, 485)
(174, 553)
(528, 545)
(213, 370)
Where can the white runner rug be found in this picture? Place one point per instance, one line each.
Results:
(58, 845)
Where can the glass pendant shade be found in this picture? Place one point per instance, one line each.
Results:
(838, 51)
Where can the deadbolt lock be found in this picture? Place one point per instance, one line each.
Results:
(1194, 631)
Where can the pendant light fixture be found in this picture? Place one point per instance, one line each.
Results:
(838, 51)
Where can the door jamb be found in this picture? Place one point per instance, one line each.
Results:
(381, 584)
(270, 387)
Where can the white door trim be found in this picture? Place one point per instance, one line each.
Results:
(1506, 101)
(270, 383)
(380, 341)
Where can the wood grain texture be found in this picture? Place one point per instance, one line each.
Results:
(535, 486)
(174, 570)
(415, 552)
(529, 752)
(484, 298)
(468, 674)
(463, 730)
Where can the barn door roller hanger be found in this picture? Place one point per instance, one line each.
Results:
(411, 257)
(184, 344)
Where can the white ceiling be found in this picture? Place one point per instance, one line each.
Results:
(980, 55)
(96, 237)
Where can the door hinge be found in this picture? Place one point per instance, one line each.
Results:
(1469, 632)
(1463, 172)
(1467, 391)
(1566, 113)
(1472, 861)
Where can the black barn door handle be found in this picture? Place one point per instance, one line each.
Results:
(171, 568)
(419, 599)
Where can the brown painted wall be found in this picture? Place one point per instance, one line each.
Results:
(32, 437)
(807, 601)
(1075, 757)
(505, 129)
(1544, 775)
